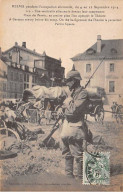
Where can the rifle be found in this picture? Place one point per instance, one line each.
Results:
(93, 73)
(56, 125)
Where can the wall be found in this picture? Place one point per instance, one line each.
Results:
(24, 58)
(115, 76)
(54, 67)
(27, 58)
(103, 76)
(3, 80)
(15, 82)
(98, 79)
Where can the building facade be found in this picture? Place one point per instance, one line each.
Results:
(3, 80)
(27, 68)
(109, 75)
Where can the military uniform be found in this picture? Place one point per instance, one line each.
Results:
(74, 130)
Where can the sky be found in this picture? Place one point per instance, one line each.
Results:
(57, 41)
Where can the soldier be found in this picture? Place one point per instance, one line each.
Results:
(74, 130)
(113, 107)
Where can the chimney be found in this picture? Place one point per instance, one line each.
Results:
(44, 53)
(73, 68)
(60, 60)
(0, 53)
(24, 44)
(99, 43)
(16, 44)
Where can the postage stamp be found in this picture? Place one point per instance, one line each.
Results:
(96, 168)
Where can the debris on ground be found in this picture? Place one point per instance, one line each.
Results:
(32, 159)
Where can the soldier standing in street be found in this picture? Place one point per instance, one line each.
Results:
(74, 130)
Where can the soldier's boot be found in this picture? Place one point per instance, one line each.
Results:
(79, 166)
(69, 166)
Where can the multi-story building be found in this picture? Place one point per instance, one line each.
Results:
(26, 68)
(33, 62)
(110, 73)
(14, 79)
(3, 80)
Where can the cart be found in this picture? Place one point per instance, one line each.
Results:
(95, 109)
(119, 113)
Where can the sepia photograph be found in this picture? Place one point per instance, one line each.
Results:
(61, 95)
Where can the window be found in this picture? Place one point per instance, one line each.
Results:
(15, 87)
(11, 76)
(10, 95)
(11, 86)
(24, 85)
(16, 76)
(39, 64)
(21, 77)
(24, 77)
(4, 95)
(88, 67)
(4, 86)
(26, 68)
(27, 77)
(111, 86)
(111, 67)
(21, 87)
(15, 95)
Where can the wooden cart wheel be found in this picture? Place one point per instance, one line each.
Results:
(8, 137)
(11, 144)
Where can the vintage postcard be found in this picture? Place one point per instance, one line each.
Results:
(61, 95)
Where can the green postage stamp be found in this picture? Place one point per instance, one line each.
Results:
(96, 168)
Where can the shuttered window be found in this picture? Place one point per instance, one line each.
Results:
(88, 67)
(111, 67)
(111, 86)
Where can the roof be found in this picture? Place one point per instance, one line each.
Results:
(24, 49)
(110, 49)
(33, 52)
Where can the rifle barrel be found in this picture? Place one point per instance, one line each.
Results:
(94, 72)
(112, 112)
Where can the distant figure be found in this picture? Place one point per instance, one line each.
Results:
(119, 111)
(113, 108)
(39, 105)
(48, 113)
